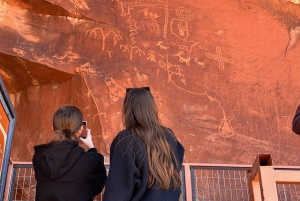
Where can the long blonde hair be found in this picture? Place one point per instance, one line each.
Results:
(141, 116)
(67, 121)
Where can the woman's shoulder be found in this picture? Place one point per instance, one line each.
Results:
(123, 137)
(171, 138)
(170, 135)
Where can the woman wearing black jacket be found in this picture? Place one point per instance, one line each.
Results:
(63, 170)
(145, 158)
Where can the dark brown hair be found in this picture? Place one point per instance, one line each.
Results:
(141, 115)
(67, 120)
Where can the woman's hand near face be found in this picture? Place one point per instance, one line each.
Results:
(88, 140)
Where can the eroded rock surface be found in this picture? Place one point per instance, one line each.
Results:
(224, 73)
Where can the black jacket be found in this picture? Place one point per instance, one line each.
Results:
(66, 173)
(296, 121)
(128, 174)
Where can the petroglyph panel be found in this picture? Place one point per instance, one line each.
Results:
(223, 73)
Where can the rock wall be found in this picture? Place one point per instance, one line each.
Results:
(224, 73)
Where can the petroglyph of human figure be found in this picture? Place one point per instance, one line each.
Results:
(179, 27)
(151, 56)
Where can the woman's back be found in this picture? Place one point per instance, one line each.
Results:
(62, 172)
(146, 158)
(128, 174)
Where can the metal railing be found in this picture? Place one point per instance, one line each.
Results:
(267, 182)
(201, 182)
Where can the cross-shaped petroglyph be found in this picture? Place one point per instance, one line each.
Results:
(220, 58)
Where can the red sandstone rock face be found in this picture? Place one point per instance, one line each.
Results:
(224, 73)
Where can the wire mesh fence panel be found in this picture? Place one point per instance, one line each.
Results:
(288, 192)
(219, 184)
(23, 184)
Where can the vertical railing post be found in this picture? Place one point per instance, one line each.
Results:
(254, 187)
(268, 183)
(8, 186)
(262, 179)
(188, 182)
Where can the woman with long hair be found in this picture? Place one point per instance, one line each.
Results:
(145, 157)
(63, 170)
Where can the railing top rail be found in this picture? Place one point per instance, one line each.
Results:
(30, 163)
(208, 165)
(216, 165)
(211, 165)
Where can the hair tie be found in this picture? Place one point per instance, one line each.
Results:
(68, 133)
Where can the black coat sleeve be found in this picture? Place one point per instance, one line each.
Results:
(296, 121)
(123, 176)
(102, 170)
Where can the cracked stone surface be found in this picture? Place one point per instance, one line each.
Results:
(224, 73)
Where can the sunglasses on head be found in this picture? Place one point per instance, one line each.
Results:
(146, 88)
